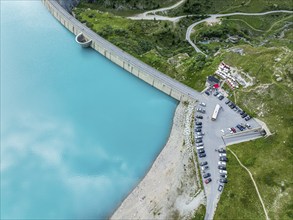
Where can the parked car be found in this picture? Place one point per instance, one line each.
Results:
(201, 151)
(203, 104)
(230, 130)
(244, 115)
(247, 118)
(208, 180)
(202, 155)
(206, 175)
(223, 176)
(199, 133)
(224, 159)
(248, 126)
(216, 93)
(199, 144)
(198, 129)
(220, 167)
(222, 154)
(223, 171)
(239, 110)
(233, 130)
(221, 97)
(198, 126)
(199, 116)
(198, 123)
(220, 188)
(198, 141)
(199, 148)
(203, 168)
(227, 102)
(199, 137)
(223, 180)
(207, 92)
(239, 127)
(203, 163)
(201, 110)
(222, 150)
(222, 163)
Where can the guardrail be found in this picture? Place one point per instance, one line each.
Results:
(57, 10)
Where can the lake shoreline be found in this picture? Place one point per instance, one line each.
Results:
(161, 194)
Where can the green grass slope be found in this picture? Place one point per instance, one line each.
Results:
(270, 160)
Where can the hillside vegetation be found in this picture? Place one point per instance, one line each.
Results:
(227, 6)
(160, 44)
(125, 7)
(269, 160)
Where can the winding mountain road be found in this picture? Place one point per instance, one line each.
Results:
(151, 15)
(214, 17)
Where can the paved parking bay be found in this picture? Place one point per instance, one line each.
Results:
(218, 136)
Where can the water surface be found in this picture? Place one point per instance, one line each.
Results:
(77, 131)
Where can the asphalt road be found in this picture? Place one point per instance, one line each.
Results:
(213, 17)
(214, 139)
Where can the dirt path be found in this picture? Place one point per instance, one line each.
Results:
(259, 196)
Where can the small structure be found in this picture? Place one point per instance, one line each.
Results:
(211, 80)
(216, 86)
(82, 40)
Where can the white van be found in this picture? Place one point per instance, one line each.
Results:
(223, 171)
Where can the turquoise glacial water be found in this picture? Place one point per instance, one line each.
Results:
(77, 132)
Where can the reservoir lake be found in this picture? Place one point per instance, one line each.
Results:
(77, 132)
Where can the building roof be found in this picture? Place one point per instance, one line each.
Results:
(212, 79)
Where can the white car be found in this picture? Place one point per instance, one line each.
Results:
(230, 130)
(222, 155)
(223, 171)
(204, 168)
(222, 163)
(203, 104)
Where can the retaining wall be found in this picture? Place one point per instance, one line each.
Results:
(141, 70)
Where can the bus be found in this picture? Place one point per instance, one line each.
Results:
(216, 111)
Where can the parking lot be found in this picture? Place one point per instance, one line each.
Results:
(218, 135)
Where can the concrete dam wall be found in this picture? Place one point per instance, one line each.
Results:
(134, 66)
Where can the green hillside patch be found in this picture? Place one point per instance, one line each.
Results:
(229, 6)
(125, 7)
(270, 159)
(254, 30)
(154, 42)
(239, 199)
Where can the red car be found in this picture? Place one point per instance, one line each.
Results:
(208, 180)
(234, 130)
